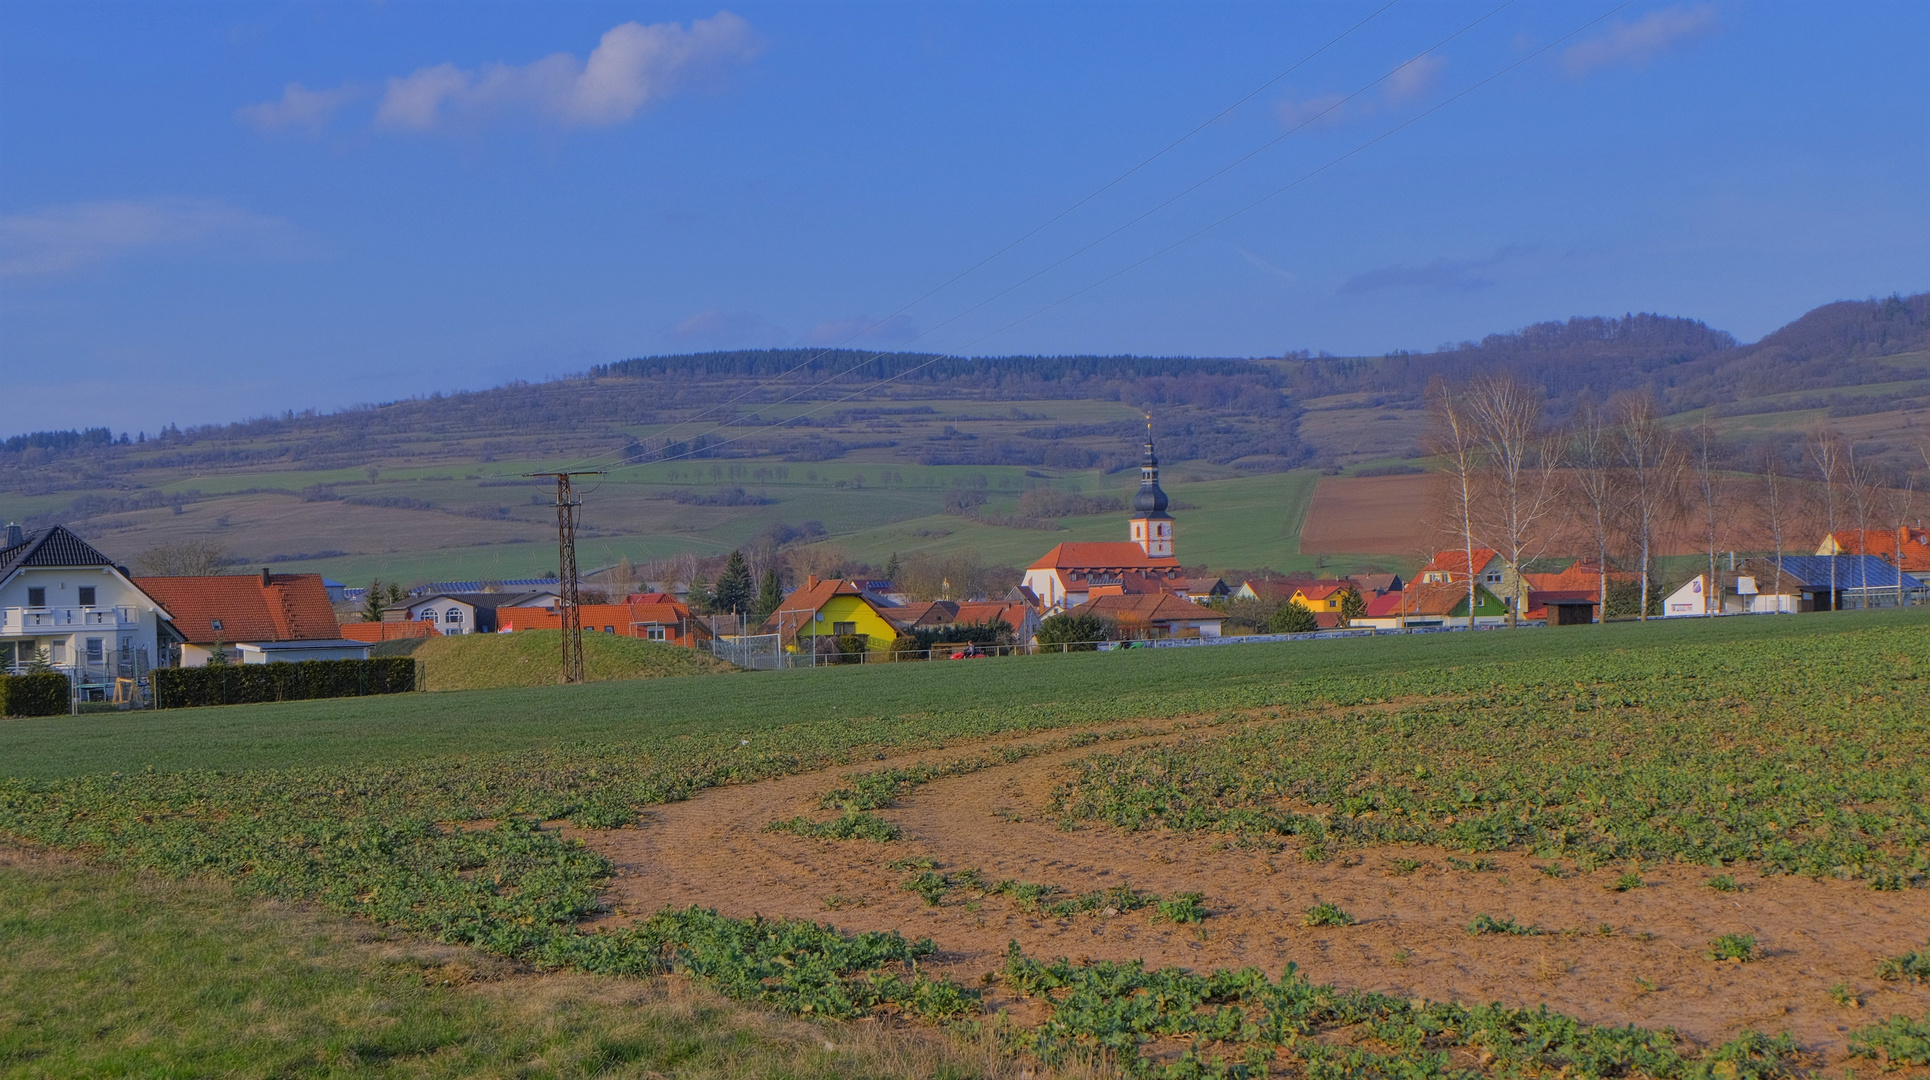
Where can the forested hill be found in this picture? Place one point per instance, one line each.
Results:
(1684, 362)
(1854, 357)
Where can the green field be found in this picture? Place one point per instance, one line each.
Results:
(1789, 744)
(533, 658)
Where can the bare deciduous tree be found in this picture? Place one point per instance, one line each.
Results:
(1710, 508)
(1826, 452)
(185, 558)
(1652, 470)
(1772, 504)
(1454, 440)
(1521, 472)
(1592, 455)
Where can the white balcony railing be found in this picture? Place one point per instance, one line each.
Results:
(60, 620)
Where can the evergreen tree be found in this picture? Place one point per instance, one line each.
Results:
(1293, 619)
(734, 586)
(218, 655)
(372, 602)
(893, 570)
(698, 598)
(770, 596)
(1351, 607)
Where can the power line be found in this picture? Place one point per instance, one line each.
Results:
(1047, 223)
(569, 607)
(1236, 163)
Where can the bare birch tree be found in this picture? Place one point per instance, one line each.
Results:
(1592, 457)
(1652, 468)
(1902, 493)
(1522, 468)
(1455, 441)
(1710, 510)
(1826, 453)
(1773, 505)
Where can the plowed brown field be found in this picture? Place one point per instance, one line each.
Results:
(1634, 957)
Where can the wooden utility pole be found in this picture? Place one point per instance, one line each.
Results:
(569, 607)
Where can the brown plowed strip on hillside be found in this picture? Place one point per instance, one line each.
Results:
(1411, 940)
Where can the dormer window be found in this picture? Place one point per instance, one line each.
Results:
(216, 623)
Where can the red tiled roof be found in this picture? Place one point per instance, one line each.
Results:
(1321, 590)
(250, 607)
(1100, 555)
(1147, 610)
(1456, 561)
(1438, 598)
(1884, 543)
(390, 630)
(1539, 599)
(1580, 575)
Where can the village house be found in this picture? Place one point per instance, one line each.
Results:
(1904, 547)
(1434, 603)
(1073, 573)
(1326, 599)
(1021, 617)
(1489, 568)
(1807, 583)
(645, 616)
(455, 614)
(253, 618)
(64, 602)
(833, 608)
(1155, 615)
(1574, 593)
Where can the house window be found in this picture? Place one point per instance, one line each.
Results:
(37, 597)
(95, 654)
(454, 616)
(655, 633)
(843, 628)
(86, 596)
(216, 623)
(609, 629)
(1494, 577)
(56, 652)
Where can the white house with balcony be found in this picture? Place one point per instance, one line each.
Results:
(64, 602)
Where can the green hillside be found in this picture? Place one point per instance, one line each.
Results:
(533, 658)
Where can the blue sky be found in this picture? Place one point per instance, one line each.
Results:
(212, 211)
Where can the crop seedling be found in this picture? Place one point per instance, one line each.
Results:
(1910, 967)
(929, 884)
(1325, 914)
(1552, 870)
(1723, 883)
(1630, 880)
(1488, 924)
(1897, 1042)
(851, 825)
(913, 862)
(1184, 908)
(1403, 867)
(1735, 948)
(1844, 996)
(1473, 866)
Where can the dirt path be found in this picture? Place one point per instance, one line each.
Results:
(1647, 969)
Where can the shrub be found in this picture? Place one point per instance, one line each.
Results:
(39, 694)
(851, 648)
(1068, 632)
(246, 684)
(1292, 619)
(1738, 947)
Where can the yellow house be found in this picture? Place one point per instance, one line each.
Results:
(1322, 596)
(832, 609)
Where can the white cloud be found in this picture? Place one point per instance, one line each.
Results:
(1416, 77)
(299, 107)
(632, 67)
(722, 329)
(62, 239)
(1636, 43)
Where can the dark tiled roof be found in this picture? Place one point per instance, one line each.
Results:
(51, 547)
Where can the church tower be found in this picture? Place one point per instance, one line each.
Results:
(1151, 529)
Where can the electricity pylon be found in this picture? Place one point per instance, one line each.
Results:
(569, 607)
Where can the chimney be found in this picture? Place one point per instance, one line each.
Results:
(811, 582)
(15, 536)
(267, 579)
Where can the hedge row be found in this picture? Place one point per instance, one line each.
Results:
(45, 694)
(245, 684)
